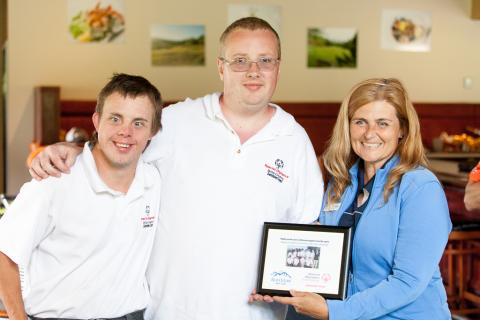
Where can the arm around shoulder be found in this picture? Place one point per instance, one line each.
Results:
(54, 160)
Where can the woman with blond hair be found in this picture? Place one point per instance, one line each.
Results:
(380, 187)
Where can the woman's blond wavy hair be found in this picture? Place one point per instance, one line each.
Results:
(339, 156)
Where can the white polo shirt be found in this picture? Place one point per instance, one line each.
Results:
(84, 247)
(216, 195)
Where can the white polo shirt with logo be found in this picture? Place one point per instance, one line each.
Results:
(216, 195)
(84, 247)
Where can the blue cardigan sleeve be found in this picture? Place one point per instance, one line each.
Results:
(424, 225)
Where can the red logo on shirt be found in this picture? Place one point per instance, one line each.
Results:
(275, 172)
(148, 220)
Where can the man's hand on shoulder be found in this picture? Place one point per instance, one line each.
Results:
(54, 160)
(472, 196)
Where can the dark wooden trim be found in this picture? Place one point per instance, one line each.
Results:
(3, 52)
(311, 109)
(77, 107)
(47, 114)
(318, 118)
(475, 13)
(441, 110)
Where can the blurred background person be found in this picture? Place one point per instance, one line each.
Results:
(472, 190)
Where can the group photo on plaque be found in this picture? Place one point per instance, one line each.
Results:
(302, 257)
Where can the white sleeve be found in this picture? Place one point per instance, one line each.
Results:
(310, 184)
(160, 146)
(157, 149)
(27, 221)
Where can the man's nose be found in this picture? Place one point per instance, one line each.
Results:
(125, 130)
(254, 63)
(253, 69)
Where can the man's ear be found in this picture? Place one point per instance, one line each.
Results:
(220, 66)
(96, 120)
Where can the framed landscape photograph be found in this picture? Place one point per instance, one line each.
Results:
(177, 45)
(332, 48)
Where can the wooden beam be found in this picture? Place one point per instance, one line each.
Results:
(47, 115)
(475, 14)
(3, 38)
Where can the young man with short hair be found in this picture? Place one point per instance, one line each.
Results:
(84, 240)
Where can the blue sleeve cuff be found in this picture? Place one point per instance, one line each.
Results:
(336, 310)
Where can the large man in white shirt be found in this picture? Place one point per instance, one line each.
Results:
(229, 162)
(84, 240)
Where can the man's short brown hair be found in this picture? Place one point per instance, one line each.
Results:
(133, 86)
(249, 23)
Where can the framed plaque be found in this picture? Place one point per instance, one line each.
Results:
(304, 257)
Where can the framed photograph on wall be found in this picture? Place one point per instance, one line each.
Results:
(406, 30)
(332, 47)
(269, 13)
(177, 45)
(96, 21)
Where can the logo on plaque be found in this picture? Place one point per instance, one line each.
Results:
(280, 278)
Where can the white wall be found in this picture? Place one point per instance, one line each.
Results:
(40, 53)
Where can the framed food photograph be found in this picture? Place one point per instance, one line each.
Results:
(304, 257)
(93, 21)
(406, 30)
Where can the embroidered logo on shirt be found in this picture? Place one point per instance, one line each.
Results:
(275, 172)
(147, 220)
(279, 163)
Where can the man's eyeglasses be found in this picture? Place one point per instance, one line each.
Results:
(242, 64)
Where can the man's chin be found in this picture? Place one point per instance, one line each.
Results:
(122, 164)
(256, 102)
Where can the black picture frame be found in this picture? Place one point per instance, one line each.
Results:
(312, 239)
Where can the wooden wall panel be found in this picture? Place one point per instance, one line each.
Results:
(47, 115)
(3, 149)
(475, 13)
(318, 118)
(76, 113)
